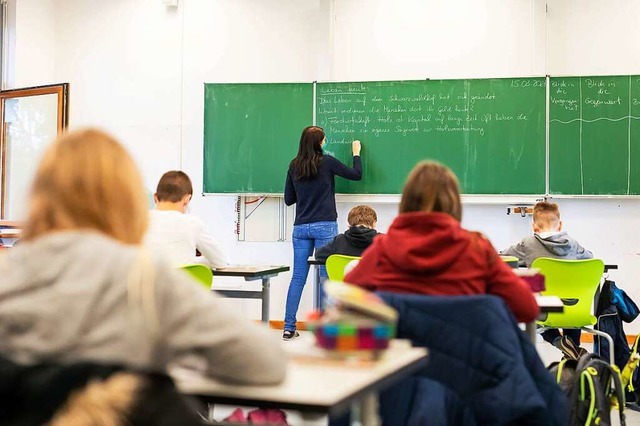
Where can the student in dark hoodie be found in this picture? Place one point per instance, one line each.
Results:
(549, 240)
(362, 222)
(426, 250)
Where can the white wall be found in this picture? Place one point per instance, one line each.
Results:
(137, 68)
(593, 37)
(35, 50)
(417, 39)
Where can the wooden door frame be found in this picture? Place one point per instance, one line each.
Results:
(62, 90)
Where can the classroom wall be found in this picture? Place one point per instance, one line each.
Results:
(137, 68)
(34, 37)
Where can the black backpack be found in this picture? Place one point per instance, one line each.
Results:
(592, 386)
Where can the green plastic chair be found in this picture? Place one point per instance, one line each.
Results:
(336, 264)
(576, 283)
(200, 273)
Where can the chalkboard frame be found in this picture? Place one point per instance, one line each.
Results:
(549, 186)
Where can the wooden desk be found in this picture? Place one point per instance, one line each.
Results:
(10, 229)
(547, 304)
(316, 387)
(317, 289)
(251, 273)
(11, 224)
(10, 235)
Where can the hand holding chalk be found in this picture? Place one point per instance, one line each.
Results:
(355, 147)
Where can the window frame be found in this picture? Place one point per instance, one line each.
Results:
(62, 90)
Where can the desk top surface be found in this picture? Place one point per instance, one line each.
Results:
(9, 235)
(313, 261)
(313, 384)
(549, 304)
(11, 223)
(249, 270)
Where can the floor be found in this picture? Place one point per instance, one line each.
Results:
(547, 353)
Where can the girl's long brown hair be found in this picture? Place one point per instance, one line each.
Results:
(307, 162)
(431, 187)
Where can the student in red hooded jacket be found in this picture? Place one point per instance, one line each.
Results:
(426, 250)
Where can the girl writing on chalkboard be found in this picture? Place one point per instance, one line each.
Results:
(310, 185)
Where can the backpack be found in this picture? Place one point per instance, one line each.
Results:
(592, 386)
(613, 307)
(631, 374)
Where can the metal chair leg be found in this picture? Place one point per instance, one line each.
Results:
(612, 356)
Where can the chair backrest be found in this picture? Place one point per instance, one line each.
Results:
(336, 264)
(476, 355)
(200, 273)
(574, 281)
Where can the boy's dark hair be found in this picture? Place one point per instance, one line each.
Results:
(173, 186)
(546, 214)
(362, 215)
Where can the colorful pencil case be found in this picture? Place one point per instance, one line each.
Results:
(353, 337)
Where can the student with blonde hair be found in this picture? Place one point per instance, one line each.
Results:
(426, 250)
(81, 287)
(549, 240)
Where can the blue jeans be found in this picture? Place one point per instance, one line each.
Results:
(305, 238)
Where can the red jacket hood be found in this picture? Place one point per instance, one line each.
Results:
(426, 242)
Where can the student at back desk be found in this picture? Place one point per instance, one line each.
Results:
(362, 223)
(549, 240)
(174, 232)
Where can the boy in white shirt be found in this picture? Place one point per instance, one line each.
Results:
(175, 233)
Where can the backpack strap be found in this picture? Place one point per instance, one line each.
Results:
(618, 389)
(560, 366)
(615, 373)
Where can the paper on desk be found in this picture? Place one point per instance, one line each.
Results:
(526, 272)
(242, 268)
(232, 267)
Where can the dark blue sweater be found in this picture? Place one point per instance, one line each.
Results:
(316, 197)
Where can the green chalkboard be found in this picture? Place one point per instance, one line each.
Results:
(251, 133)
(594, 135)
(490, 132)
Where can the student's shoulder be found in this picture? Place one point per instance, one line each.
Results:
(177, 219)
(481, 243)
(478, 238)
(193, 220)
(329, 160)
